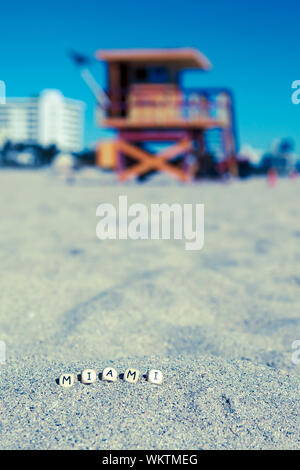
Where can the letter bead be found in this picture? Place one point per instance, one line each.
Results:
(109, 374)
(155, 376)
(88, 376)
(131, 375)
(67, 380)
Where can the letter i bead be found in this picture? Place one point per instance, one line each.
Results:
(155, 376)
(88, 376)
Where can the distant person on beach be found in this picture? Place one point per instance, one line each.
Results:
(64, 166)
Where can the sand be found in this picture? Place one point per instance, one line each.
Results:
(219, 322)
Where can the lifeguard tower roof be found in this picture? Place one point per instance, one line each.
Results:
(186, 58)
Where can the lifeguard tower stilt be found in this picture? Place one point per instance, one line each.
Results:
(149, 108)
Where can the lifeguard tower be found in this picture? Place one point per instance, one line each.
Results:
(150, 110)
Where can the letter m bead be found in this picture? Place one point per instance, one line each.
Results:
(66, 380)
(131, 375)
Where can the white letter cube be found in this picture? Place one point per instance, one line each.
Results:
(131, 375)
(109, 374)
(88, 376)
(155, 376)
(67, 380)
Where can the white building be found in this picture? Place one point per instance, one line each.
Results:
(47, 119)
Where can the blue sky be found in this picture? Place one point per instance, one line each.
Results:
(254, 47)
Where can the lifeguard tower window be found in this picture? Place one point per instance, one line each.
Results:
(151, 75)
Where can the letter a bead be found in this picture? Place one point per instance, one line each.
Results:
(67, 380)
(131, 375)
(88, 376)
(109, 374)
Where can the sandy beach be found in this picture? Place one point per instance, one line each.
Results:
(219, 322)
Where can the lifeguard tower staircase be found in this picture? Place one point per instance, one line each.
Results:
(161, 126)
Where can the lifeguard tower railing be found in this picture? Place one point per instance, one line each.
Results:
(155, 106)
(180, 105)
